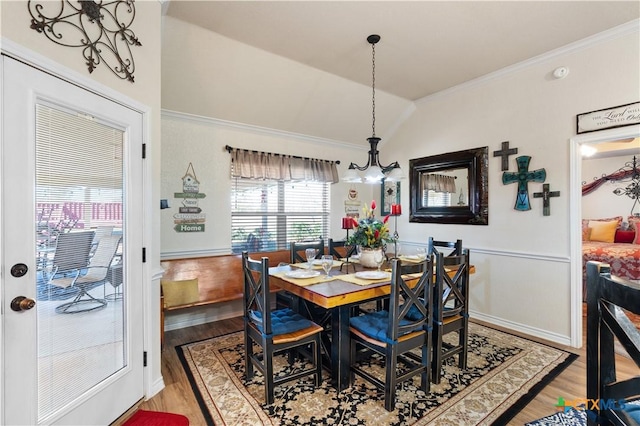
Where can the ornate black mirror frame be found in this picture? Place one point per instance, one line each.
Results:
(476, 212)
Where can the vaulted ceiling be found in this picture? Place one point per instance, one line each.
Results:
(425, 47)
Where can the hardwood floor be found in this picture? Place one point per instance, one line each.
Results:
(177, 397)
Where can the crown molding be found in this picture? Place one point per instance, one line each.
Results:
(630, 27)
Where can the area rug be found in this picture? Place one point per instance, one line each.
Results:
(570, 417)
(504, 373)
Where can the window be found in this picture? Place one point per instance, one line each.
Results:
(267, 215)
(438, 199)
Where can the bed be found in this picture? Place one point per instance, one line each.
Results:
(623, 254)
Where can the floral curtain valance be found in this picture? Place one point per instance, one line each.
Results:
(439, 183)
(265, 165)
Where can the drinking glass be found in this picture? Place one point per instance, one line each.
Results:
(378, 258)
(310, 254)
(327, 263)
(422, 253)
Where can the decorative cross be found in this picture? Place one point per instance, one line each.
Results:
(523, 177)
(505, 152)
(546, 198)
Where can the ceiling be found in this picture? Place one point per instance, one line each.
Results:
(425, 46)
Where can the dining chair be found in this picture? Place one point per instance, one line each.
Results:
(395, 333)
(274, 331)
(448, 248)
(297, 249)
(284, 299)
(341, 250)
(96, 275)
(450, 310)
(608, 297)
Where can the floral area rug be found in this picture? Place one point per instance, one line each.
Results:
(504, 373)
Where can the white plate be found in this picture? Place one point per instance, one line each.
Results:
(318, 262)
(372, 275)
(302, 273)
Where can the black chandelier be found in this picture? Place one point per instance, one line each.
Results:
(374, 171)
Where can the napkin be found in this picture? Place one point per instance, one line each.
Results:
(351, 278)
(303, 282)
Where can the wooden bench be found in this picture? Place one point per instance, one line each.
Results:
(219, 278)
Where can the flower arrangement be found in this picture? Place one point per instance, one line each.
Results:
(369, 231)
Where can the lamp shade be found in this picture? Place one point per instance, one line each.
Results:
(351, 175)
(373, 175)
(395, 175)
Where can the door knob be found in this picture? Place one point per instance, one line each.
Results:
(22, 303)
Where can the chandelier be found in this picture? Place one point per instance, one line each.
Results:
(374, 171)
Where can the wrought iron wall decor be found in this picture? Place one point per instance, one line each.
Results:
(101, 29)
(630, 172)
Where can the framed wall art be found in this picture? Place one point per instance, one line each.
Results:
(623, 115)
(390, 194)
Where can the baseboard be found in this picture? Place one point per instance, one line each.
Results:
(521, 328)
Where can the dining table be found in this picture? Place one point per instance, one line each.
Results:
(336, 295)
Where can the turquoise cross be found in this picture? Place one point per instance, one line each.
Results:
(523, 177)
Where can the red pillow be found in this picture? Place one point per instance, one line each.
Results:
(624, 236)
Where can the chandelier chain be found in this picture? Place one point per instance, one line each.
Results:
(373, 91)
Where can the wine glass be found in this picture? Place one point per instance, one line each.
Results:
(358, 250)
(378, 258)
(327, 263)
(310, 254)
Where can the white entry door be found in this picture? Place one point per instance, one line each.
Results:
(72, 221)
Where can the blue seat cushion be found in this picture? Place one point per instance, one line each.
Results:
(375, 325)
(633, 410)
(283, 321)
(414, 313)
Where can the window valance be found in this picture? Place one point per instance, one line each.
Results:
(265, 165)
(439, 183)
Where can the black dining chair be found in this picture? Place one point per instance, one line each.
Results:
(448, 248)
(395, 333)
(297, 249)
(608, 297)
(274, 331)
(341, 250)
(450, 310)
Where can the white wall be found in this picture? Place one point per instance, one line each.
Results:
(522, 258)
(14, 28)
(603, 202)
(201, 141)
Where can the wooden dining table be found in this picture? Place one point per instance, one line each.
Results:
(338, 295)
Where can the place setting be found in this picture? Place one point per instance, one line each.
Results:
(306, 274)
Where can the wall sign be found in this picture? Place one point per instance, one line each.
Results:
(189, 217)
(623, 115)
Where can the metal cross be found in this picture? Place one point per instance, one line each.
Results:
(523, 177)
(505, 152)
(546, 198)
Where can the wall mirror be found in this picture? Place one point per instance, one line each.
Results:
(450, 188)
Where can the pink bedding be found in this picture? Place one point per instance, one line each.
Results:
(623, 258)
